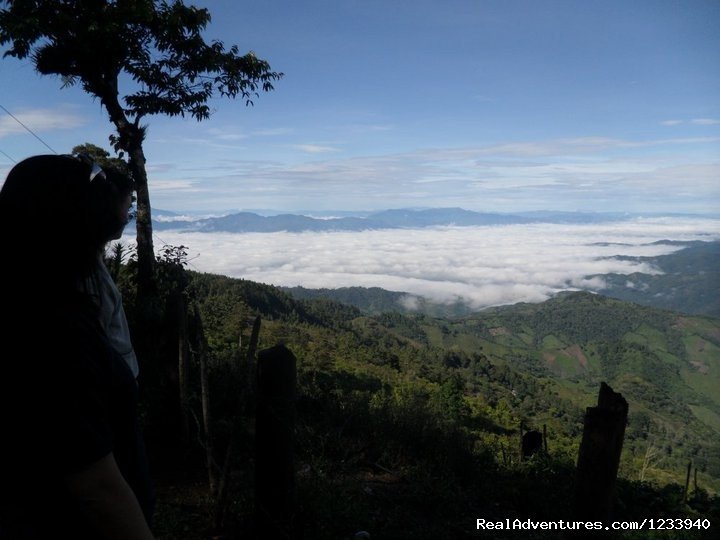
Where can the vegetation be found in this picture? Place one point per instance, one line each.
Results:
(409, 426)
(103, 158)
(688, 282)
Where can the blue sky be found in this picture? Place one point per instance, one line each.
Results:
(488, 105)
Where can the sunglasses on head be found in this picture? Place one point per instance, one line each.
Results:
(95, 169)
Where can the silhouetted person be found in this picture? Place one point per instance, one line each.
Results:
(72, 462)
(117, 196)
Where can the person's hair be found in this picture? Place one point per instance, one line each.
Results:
(51, 222)
(122, 182)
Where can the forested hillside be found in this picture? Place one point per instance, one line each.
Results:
(666, 365)
(543, 362)
(689, 281)
(409, 426)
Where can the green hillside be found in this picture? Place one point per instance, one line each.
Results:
(666, 365)
(409, 425)
(689, 282)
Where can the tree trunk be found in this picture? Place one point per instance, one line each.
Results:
(130, 137)
(143, 221)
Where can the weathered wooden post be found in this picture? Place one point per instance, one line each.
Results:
(687, 482)
(274, 437)
(531, 443)
(599, 456)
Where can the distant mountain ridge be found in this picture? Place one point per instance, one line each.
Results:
(375, 301)
(689, 283)
(387, 219)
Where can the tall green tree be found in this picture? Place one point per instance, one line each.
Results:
(140, 58)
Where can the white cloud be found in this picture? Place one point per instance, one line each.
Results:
(694, 121)
(39, 121)
(705, 121)
(272, 132)
(370, 128)
(226, 135)
(485, 266)
(410, 302)
(173, 185)
(584, 173)
(315, 148)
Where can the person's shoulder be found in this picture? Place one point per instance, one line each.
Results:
(79, 319)
(57, 322)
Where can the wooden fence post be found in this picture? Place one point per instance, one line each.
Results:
(532, 443)
(599, 456)
(274, 434)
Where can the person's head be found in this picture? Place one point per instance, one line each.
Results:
(55, 214)
(122, 193)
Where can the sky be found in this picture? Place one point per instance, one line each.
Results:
(498, 106)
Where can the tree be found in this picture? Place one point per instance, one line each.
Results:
(153, 49)
(102, 157)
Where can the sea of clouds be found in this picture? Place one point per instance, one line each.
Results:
(483, 266)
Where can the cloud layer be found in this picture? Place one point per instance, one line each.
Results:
(39, 120)
(581, 173)
(485, 266)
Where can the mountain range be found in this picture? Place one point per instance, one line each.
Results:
(387, 219)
